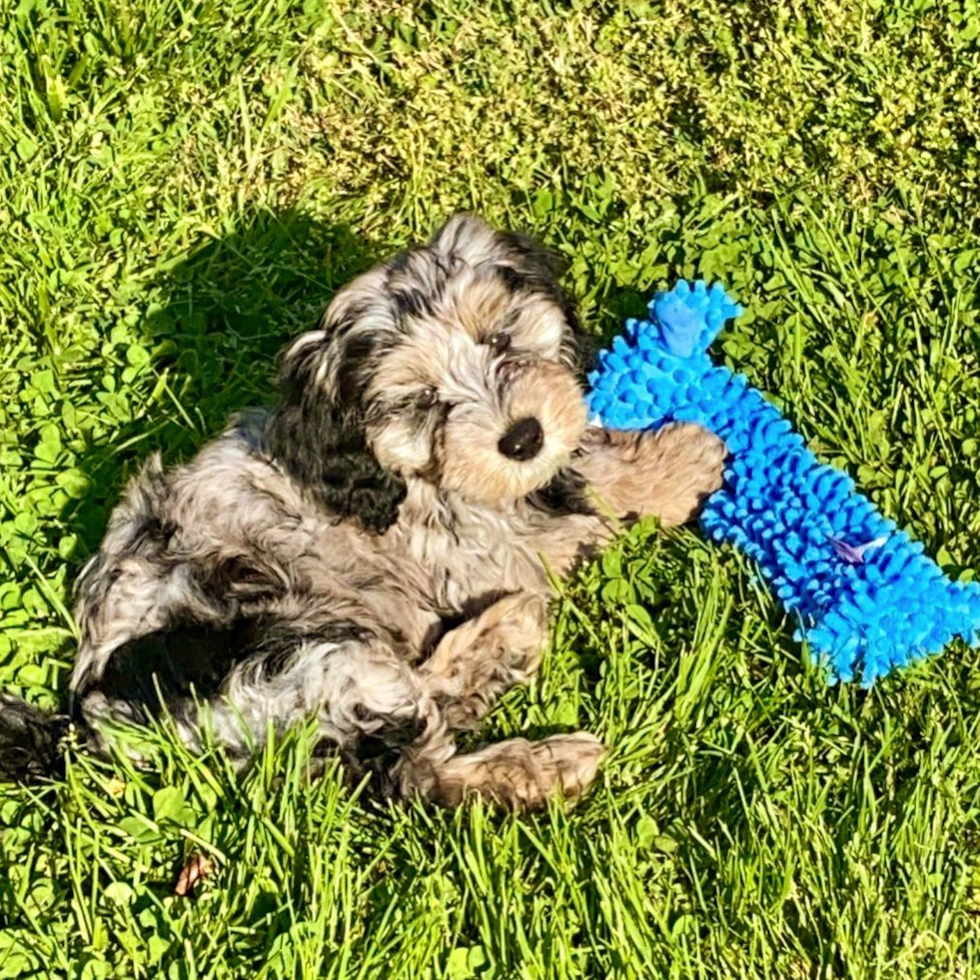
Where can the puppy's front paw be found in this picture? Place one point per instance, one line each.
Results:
(673, 470)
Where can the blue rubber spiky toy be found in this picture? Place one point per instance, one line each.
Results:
(866, 598)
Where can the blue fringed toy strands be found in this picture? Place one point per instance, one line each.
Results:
(866, 598)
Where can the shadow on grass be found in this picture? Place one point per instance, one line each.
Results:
(228, 310)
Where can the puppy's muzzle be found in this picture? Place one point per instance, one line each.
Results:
(523, 440)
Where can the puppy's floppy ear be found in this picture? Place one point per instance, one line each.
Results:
(540, 269)
(540, 265)
(316, 433)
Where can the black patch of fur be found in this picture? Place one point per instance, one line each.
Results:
(30, 742)
(340, 326)
(189, 661)
(172, 665)
(565, 494)
(352, 368)
(539, 267)
(511, 278)
(276, 641)
(376, 756)
(412, 303)
(321, 445)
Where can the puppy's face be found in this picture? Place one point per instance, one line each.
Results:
(456, 363)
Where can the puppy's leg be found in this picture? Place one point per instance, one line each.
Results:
(379, 710)
(476, 662)
(667, 473)
(469, 669)
(516, 773)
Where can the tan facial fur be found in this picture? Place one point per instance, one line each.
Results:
(478, 392)
(473, 464)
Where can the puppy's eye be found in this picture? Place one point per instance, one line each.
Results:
(498, 341)
(427, 397)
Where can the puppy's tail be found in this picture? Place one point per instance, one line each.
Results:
(30, 742)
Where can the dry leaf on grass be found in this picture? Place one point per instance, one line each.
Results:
(196, 869)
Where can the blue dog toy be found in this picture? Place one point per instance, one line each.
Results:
(866, 598)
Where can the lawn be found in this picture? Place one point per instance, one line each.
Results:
(183, 185)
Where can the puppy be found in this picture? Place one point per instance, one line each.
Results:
(372, 550)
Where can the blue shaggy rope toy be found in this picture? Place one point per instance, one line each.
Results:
(865, 596)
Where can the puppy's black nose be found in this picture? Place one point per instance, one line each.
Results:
(523, 440)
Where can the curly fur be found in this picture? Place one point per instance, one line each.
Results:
(369, 550)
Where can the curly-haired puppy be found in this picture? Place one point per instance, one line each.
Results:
(372, 550)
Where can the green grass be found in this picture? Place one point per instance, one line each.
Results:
(184, 184)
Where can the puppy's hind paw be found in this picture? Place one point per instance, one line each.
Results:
(571, 761)
(519, 774)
